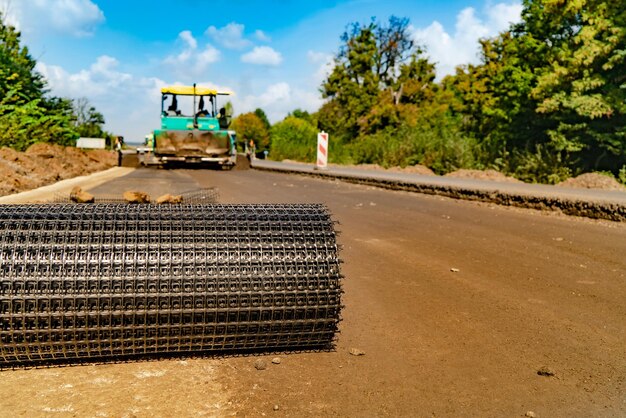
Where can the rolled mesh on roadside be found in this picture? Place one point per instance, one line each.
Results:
(108, 280)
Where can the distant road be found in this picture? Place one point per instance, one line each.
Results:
(457, 305)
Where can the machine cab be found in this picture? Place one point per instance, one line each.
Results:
(191, 107)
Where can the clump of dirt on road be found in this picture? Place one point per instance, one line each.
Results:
(593, 181)
(136, 197)
(78, 195)
(43, 164)
(492, 175)
(170, 199)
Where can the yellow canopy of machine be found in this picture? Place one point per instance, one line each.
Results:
(193, 91)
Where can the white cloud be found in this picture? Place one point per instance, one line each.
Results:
(74, 17)
(325, 64)
(262, 36)
(262, 55)
(100, 78)
(208, 56)
(502, 15)
(188, 38)
(130, 104)
(191, 61)
(229, 36)
(277, 100)
(317, 57)
(449, 50)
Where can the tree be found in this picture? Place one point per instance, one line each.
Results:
(303, 114)
(261, 115)
(548, 99)
(408, 100)
(367, 62)
(228, 106)
(384, 102)
(582, 84)
(88, 121)
(27, 115)
(22, 125)
(250, 127)
(17, 67)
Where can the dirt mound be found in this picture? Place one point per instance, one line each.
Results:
(414, 169)
(492, 175)
(593, 181)
(43, 164)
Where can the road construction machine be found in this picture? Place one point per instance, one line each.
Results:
(192, 130)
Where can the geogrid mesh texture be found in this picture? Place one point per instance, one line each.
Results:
(193, 197)
(105, 280)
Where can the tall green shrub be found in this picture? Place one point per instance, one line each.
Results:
(22, 125)
(294, 139)
(441, 146)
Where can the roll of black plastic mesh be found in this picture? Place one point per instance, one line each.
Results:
(106, 280)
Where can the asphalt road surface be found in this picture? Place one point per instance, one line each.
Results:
(456, 305)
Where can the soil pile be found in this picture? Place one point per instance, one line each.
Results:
(43, 164)
(492, 175)
(414, 169)
(593, 181)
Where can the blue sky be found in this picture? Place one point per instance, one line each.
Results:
(272, 54)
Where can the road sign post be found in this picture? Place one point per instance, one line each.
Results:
(322, 151)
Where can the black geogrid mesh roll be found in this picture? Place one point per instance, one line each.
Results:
(101, 280)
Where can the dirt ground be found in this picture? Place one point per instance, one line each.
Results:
(461, 309)
(44, 164)
(415, 169)
(593, 181)
(483, 175)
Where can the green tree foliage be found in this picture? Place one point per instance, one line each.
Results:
(228, 107)
(548, 99)
(27, 115)
(294, 138)
(250, 127)
(17, 68)
(22, 125)
(261, 114)
(365, 64)
(303, 114)
(439, 144)
(581, 86)
(384, 105)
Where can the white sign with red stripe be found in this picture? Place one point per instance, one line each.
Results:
(322, 150)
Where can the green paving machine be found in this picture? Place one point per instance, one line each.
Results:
(196, 135)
